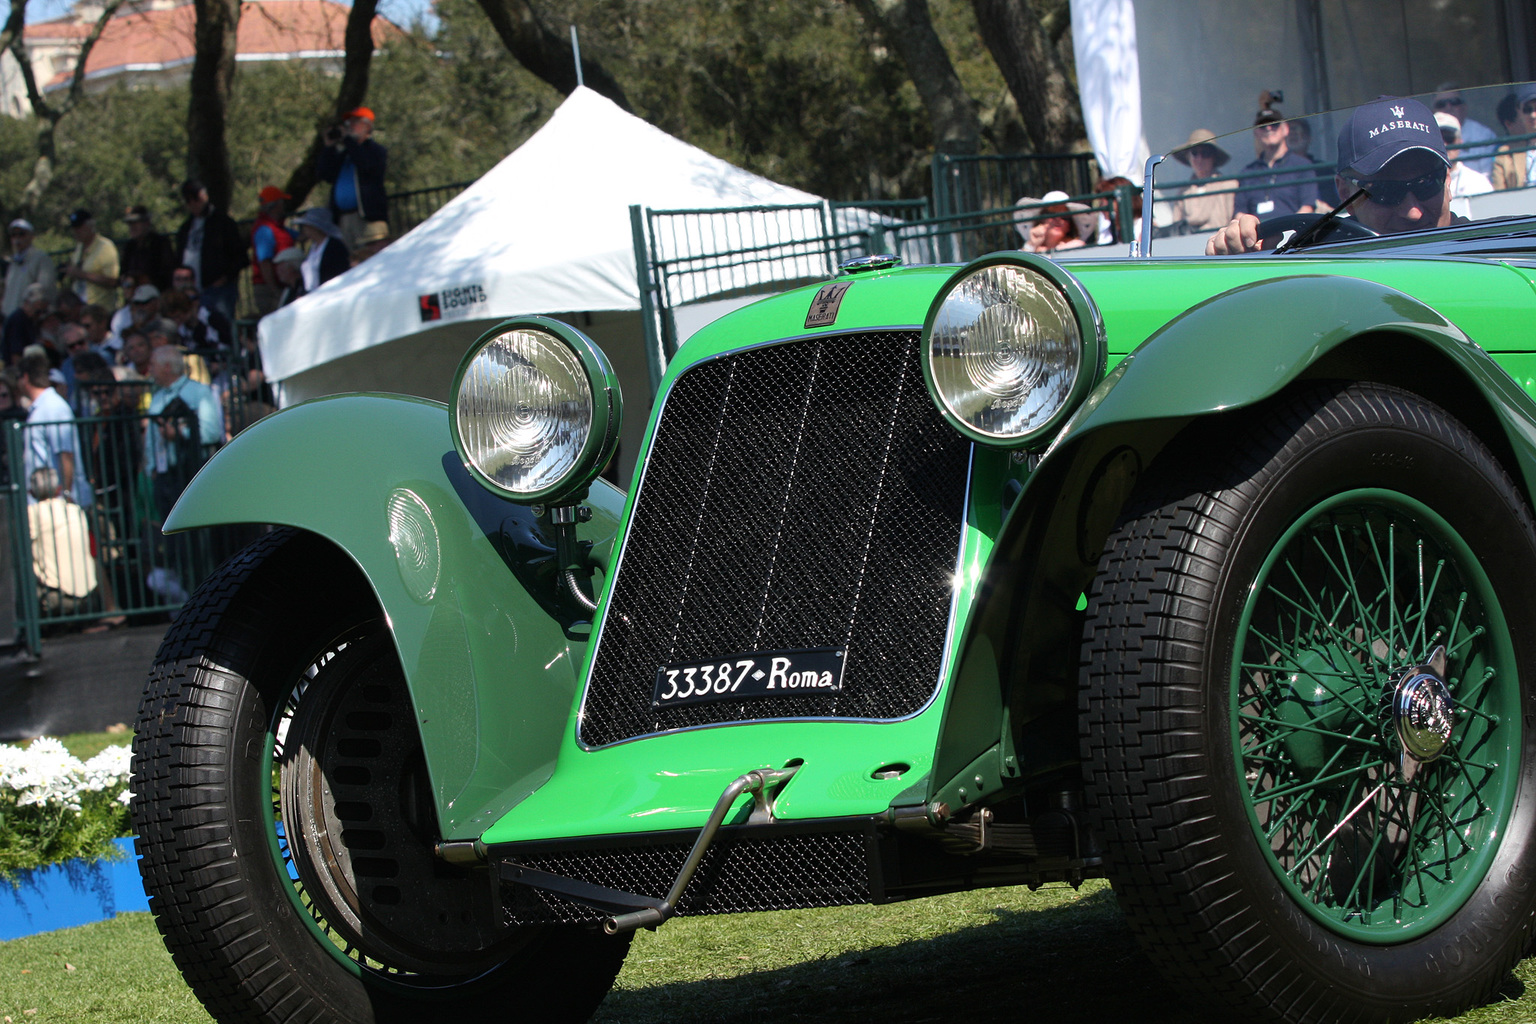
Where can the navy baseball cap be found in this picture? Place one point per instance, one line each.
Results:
(1386, 128)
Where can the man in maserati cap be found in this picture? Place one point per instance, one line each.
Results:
(1391, 149)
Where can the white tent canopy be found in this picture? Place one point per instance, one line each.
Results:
(547, 230)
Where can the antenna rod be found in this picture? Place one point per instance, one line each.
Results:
(576, 56)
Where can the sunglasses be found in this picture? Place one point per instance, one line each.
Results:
(1443, 104)
(1391, 193)
(1271, 126)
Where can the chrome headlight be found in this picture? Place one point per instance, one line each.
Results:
(1011, 345)
(535, 410)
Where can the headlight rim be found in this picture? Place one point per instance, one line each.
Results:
(607, 412)
(1093, 356)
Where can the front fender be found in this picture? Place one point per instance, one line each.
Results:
(1020, 652)
(491, 660)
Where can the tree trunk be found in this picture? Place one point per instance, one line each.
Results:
(906, 28)
(1019, 34)
(546, 53)
(350, 95)
(213, 75)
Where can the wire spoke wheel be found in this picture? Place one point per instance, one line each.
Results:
(352, 824)
(1375, 839)
(1305, 710)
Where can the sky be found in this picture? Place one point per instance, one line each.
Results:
(401, 12)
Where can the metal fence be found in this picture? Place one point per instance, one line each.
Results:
(97, 551)
(408, 209)
(685, 256)
(970, 184)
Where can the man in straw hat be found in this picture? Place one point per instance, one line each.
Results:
(1207, 203)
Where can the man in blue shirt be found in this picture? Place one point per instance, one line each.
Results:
(1290, 188)
(173, 445)
(354, 165)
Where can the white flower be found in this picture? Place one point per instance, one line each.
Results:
(46, 774)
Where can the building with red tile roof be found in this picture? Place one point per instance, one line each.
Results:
(150, 43)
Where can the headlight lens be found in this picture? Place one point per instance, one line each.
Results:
(1006, 352)
(535, 410)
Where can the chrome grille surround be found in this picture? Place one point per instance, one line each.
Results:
(797, 495)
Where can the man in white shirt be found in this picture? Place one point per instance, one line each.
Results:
(1462, 181)
(1477, 156)
(51, 442)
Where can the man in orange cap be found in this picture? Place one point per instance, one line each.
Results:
(354, 165)
(268, 238)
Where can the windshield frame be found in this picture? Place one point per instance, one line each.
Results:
(1162, 189)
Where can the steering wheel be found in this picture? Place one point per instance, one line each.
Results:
(1341, 229)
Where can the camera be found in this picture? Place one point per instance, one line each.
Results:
(333, 133)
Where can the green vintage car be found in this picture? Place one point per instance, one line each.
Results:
(1203, 575)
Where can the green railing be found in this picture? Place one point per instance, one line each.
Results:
(110, 538)
(968, 184)
(685, 256)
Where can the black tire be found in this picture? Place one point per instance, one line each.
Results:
(1265, 834)
(270, 716)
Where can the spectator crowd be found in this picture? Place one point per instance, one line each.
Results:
(1284, 177)
(129, 362)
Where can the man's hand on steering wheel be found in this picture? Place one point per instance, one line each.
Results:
(1241, 234)
(1246, 233)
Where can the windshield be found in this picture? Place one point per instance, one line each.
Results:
(1283, 169)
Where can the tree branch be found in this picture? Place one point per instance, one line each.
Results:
(40, 106)
(77, 83)
(15, 24)
(546, 54)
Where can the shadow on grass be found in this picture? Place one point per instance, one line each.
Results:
(1061, 964)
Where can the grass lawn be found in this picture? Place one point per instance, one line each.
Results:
(1051, 957)
(86, 745)
(1056, 955)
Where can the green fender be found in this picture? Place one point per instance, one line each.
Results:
(490, 658)
(1012, 709)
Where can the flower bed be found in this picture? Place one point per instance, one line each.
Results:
(63, 858)
(55, 807)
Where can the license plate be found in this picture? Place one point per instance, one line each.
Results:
(758, 674)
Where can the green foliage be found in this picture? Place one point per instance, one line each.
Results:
(35, 837)
(803, 93)
(54, 808)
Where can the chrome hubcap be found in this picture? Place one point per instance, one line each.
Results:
(1423, 713)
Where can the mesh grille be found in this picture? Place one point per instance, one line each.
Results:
(797, 496)
(736, 876)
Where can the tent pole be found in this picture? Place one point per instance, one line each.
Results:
(576, 56)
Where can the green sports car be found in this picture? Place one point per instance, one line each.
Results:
(1201, 574)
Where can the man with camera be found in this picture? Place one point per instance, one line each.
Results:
(354, 165)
